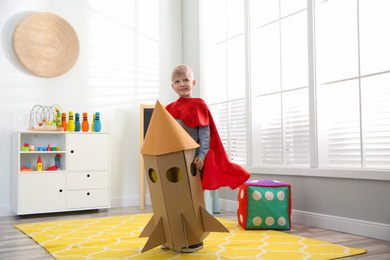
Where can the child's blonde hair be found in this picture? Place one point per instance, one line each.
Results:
(182, 70)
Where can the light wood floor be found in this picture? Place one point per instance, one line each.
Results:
(14, 245)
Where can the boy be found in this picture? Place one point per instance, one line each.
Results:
(194, 116)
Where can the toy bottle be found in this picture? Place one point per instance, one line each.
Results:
(97, 125)
(64, 124)
(39, 164)
(93, 123)
(77, 125)
(85, 124)
(71, 125)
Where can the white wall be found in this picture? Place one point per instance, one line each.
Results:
(127, 51)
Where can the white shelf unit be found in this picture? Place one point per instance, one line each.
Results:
(82, 183)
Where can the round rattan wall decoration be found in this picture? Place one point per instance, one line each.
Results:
(46, 44)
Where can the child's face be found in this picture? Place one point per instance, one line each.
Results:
(182, 85)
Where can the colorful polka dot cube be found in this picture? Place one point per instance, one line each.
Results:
(264, 204)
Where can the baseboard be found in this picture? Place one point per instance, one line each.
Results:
(348, 225)
(128, 202)
(5, 211)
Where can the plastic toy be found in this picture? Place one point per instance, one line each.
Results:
(32, 148)
(45, 118)
(26, 146)
(39, 164)
(85, 124)
(93, 123)
(71, 124)
(64, 124)
(48, 148)
(77, 125)
(57, 161)
(97, 126)
(26, 168)
(52, 168)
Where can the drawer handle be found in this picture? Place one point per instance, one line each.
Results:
(88, 193)
(71, 151)
(88, 175)
(60, 190)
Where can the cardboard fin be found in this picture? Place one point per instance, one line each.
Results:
(156, 238)
(211, 224)
(183, 224)
(148, 229)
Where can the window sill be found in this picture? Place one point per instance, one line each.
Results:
(360, 174)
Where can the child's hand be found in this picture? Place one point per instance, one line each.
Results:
(198, 163)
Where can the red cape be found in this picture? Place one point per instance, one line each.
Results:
(218, 170)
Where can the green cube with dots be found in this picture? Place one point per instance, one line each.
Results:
(264, 204)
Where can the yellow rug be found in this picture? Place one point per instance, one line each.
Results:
(117, 238)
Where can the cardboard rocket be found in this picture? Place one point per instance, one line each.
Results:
(179, 215)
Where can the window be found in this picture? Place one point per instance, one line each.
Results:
(299, 83)
(279, 83)
(352, 83)
(224, 63)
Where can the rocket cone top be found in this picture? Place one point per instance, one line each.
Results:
(165, 135)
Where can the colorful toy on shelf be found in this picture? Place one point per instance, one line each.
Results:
(26, 168)
(45, 118)
(26, 146)
(39, 164)
(71, 125)
(97, 126)
(57, 161)
(48, 148)
(58, 117)
(77, 125)
(32, 148)
(85, 125)
(93, 123)
(64, 124)
(52, 168)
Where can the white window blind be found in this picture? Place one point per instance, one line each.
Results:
(230, 119)
(296, 127)
(376, 120)
(267, 131)
(237, 131)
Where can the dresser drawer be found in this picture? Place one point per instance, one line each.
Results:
(87, 180)
(87, 198)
